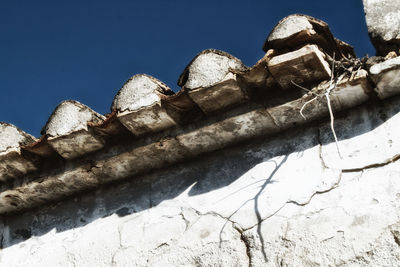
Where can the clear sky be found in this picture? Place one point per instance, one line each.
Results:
(85, 50)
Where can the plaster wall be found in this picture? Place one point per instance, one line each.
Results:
(287, 200)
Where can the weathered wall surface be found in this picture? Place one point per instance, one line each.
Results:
(238, 170)
(288, 200)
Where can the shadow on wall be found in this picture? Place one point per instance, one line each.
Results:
(198, 176)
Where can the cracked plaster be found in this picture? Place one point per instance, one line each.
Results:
(279, 201)
(286, 200)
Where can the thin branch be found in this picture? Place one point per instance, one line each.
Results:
(305, 89)
(309, 101)
(332, 86)
(304, 106)
(328, 101)
(333, 70)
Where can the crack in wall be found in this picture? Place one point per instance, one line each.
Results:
(246, 242)
(395, 235)
(360, 169)
(113, 262)
(234, 225)
(213, 213)
(374, 165)
(70, 256)
(188, 223)
(272, 119)
(336, 185)
(323, 164)
(266, 218)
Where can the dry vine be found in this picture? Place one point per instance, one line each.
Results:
(332, 85)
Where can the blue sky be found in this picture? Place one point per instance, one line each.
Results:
(85, 50)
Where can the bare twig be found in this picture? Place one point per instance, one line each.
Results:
(332, 86)
(305, 89)
(333, 70)
(316, 96)
(304, 106)
(328, 101)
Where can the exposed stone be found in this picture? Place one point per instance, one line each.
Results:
(211, 80)
(111, 126)
(181, 104)
(13, 162)
(257, 78)
(295, 31)
(383, 21)
(303, 66)
(41, 147)
(372, 61)
(139, 107)
(345, 50)
(68, 132)
(391, 55)
(386, 76)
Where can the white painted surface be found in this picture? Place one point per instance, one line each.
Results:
(286, 201)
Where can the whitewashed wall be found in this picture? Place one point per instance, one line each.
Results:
(288, 200)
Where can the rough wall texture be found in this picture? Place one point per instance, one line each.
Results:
(382, 17)
(287, 200)
(238, 168)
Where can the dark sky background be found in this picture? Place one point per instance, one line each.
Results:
(85, 50)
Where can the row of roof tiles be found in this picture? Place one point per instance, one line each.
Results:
(300, 51)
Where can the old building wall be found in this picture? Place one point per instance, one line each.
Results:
(285, 200)
(291, 162)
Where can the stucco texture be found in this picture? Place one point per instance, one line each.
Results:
(288, 200)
